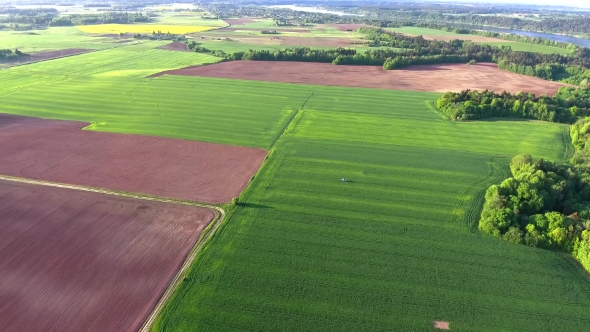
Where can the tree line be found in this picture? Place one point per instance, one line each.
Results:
(505, 36)
(555, 22)
(545, 204)
(103, 18)
(10, 54)
(25, 19)
(415, 50)
(566, 106)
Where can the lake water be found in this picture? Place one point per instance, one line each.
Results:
(312, 10)
(559, 38)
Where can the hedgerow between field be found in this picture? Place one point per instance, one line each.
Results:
(403, 51)
(566, 106)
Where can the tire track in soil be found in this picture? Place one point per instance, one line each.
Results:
(471, 218)
(568, 148)
(205, 235)
(469, 189)
(495, 174)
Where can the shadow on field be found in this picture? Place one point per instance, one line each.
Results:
(506, 120)
(255, 206)
(428, 68)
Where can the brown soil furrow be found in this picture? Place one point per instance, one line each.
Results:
(433, 78)
(59, 151)
(83, 261)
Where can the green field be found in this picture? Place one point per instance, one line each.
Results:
(394, 248)
(52, 39)
(526, 47)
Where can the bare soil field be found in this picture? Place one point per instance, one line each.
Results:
(175, 46)
(347, 27)
(320, 41)
(59, 151)
(47, 55)
(79, 261)
(239, 21)
(434, 78)
(246, 29)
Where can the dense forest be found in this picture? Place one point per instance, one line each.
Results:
(566, 106)
(544, 204)
(103, 18)
(25, 19)
(29, 19)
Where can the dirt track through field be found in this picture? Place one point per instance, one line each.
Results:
(434, 78)
(59, 151)
(80, 261)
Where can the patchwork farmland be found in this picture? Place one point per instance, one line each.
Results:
(352, 202)
(441, 78)
(137, 28)
(54, 151)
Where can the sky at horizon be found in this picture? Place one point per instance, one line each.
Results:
(570, 3)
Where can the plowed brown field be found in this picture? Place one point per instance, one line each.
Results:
(79, 261)
(348, 27)
(47, 55)
(239, 21)
(59, 151)
(175, 46)
(434, 78)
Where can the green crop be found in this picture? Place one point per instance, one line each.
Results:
(395, 247)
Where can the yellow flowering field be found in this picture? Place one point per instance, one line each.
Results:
(142, 28)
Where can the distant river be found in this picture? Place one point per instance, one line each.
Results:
(312, 10)
(559, 38)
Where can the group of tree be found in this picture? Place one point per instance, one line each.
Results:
(25, 19)
(544, 204)
(304, 54)
(566, 106)
(159, 35)
(412, 50)
(102, 18)
(10, 54)
(405, 50)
